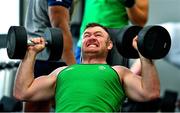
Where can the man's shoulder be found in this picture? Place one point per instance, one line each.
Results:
(58, 70)
(62, 68)
(120, 69)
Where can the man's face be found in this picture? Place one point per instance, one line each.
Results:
(96, 40)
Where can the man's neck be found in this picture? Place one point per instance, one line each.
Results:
(94, 60)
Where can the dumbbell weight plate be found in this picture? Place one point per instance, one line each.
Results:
(154, 42)
(124, 41)
(16, 42)
(54, 48)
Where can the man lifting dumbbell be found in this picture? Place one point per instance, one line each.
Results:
(41, 14)
(92, 86)
(17, 43)
(154, 42)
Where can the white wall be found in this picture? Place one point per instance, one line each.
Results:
(163, 11)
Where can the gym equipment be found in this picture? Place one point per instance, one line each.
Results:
(128, 3)
(147, 106)
(169, 100)
(153, 41)
(1, 107)
(114, 57)
(17, 43)
(9, 104)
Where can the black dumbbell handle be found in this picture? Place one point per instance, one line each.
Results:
(30, 42)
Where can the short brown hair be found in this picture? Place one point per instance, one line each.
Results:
(96, 24)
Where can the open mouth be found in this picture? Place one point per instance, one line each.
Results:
(92, 45)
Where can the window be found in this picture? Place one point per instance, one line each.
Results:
(9, 14)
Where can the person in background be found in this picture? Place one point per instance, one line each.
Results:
(40, 15)
(112, 14)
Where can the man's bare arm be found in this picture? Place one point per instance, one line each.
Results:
(26, 86)
(141, 88)
(138, 14)
(59, 17)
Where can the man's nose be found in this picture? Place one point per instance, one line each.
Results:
(92, 38)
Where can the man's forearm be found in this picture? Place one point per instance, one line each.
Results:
(150, 79)
(138, 14)
(137, 17)
(24, 75)
(59, 17)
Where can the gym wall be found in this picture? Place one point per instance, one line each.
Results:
(161, 11)
(11, 15)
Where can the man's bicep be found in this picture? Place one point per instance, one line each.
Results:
(42, 88)
(45, 85)
(133, 86)
(142, 4)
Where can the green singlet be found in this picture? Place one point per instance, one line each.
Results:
(88, 88)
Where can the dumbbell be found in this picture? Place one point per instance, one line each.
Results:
(153, 41)
(9, 104)
(17, 43)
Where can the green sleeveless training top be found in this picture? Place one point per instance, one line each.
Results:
(88, 88)
(109, 13)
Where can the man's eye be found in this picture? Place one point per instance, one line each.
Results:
(86, 36)
(99, 35)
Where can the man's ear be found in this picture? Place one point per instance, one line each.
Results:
(110, 45)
